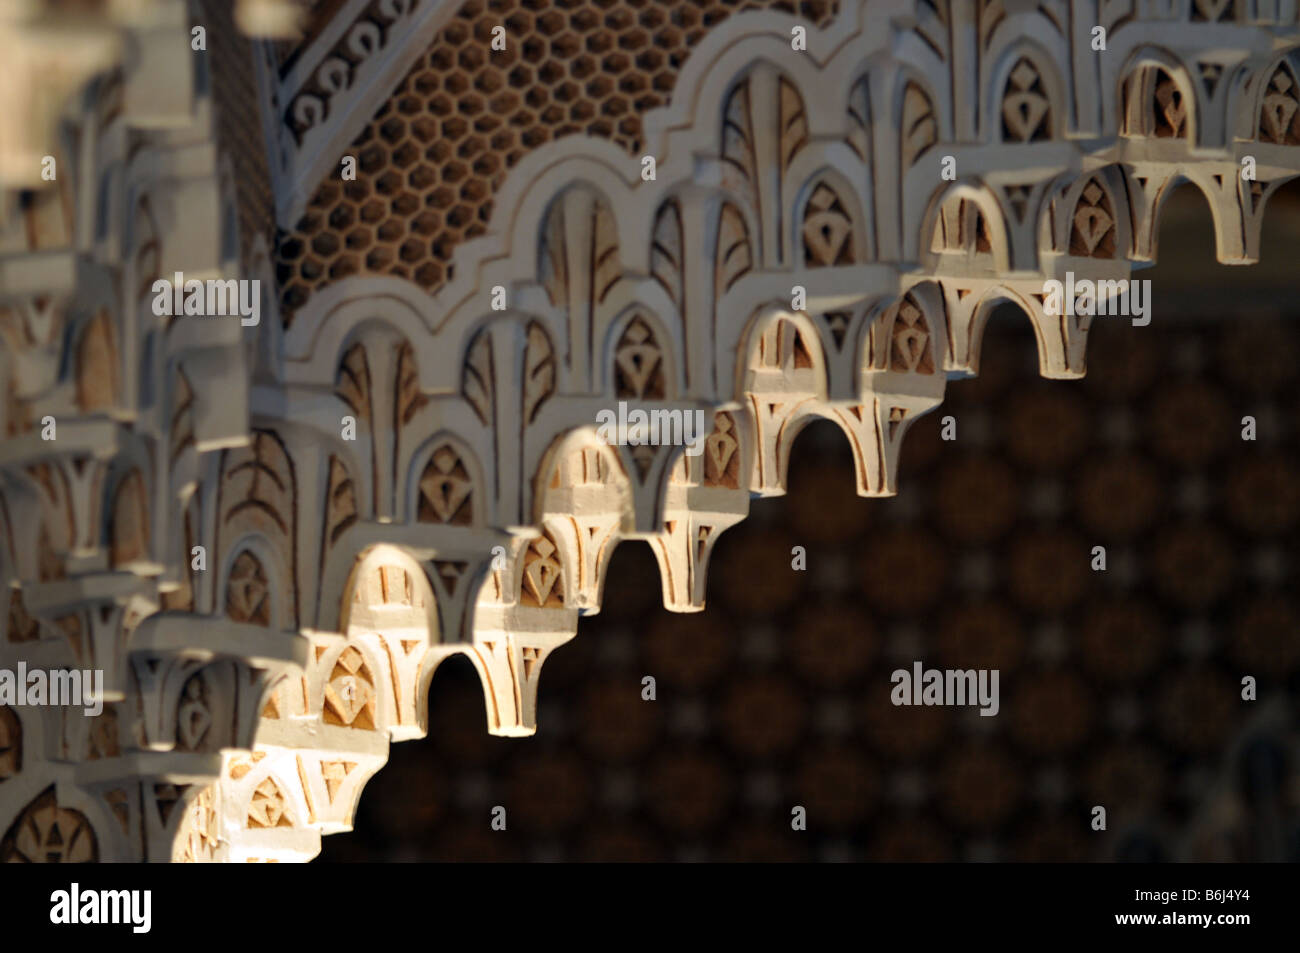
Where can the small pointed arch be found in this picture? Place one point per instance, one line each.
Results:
(251, 591)
(268, 805)
(724, 453)
(639, 357)
(446, 484)
(764, 128)
(377, 380)
(1094, 219)
(205, 702)
(1279, 106)
(1158, 98)
(97, 368)
(907, 336)
(542, 575)
(829, 226)
(349, 695)
(128, 522)
(1029, 98)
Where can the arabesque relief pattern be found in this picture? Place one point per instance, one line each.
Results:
(269, 589)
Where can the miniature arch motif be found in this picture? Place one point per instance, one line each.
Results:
(1094, 224)
(1157, 98)
(642, 367)
(1279, 109)
(829, 228)
(448, 489)
(1027, 112)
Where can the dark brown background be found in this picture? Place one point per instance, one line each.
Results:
(1119, 688)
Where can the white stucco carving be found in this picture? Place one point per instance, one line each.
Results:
(248, 701)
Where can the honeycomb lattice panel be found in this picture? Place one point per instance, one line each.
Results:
(234, 89)
(431, 160)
